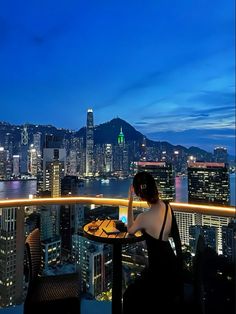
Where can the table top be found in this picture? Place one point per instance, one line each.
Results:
(95, 231)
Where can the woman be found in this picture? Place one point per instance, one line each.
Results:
(160, 284)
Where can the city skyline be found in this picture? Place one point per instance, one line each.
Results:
(167, 69)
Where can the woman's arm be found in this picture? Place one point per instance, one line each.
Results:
(133, 225)
(130, 207)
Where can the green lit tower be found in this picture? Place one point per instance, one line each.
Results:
(121, 137)
(120, 160)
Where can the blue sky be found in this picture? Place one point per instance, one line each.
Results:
(165, 66)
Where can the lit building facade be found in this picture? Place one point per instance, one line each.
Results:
(185, 221)
(217, 222)
(24, 151)
(108, 163)
(208, 182)
(33, 161)
(89, 144)
(121, 156)
(3, 163)
(208, 233)
(220, 154)
(54, 165)
(163, 174)
(16, 165)
(11, 256)
(88, 256)
(51, 252)
(229, 241)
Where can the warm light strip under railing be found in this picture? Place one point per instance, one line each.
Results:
(226, 211)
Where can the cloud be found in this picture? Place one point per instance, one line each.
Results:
(203, 138)
(214, 98)
(140, 123)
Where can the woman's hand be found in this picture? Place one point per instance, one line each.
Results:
(131, 193)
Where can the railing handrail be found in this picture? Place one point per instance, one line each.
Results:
(225, 211)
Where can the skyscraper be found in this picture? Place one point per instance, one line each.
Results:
(221, 154)
(89, 257)
(208, 182)
(54, 164)
(108, 158)
(89, 144)
(11, 256)
(24, 150)
(120, 156)
(16, 165)
(229, 240)
(163, 174)
(3, 163)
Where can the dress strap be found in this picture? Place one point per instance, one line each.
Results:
(164, 223)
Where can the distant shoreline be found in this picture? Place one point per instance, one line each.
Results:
(7, 180)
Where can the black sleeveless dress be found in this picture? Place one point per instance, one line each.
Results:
(160, 284)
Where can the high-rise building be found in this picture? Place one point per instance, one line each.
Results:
(208, 182)
(229, 241)
(69, 187)
(208, 233)
(220, 154)
(49, 235)
(16, 165)
(217, 222)
(163, 174)
(11, 256)
(3, 163)
(89, 257)
(89, 144)
(121, 155)
(54, 164)
(37, 142)
(37, 145)
(185, 221)
(24, 150)
(51, 252)
(108, 158)
(33, 161)
(99, 159)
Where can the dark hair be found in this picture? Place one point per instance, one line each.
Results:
(145, 187)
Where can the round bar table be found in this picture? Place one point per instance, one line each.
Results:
(94, 231)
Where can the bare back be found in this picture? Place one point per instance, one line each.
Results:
(153, 221)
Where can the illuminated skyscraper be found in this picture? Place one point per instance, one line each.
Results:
(89, 144)
(208, 182)
(11, 256)
(3, 163)
(24, 150)
(120, 156)
(229, 240)
(16, 165)
(108, 158)
(89, 257)
(163, 174)
(37, 146)
(33, 161)
(54, 163)
(221, 154)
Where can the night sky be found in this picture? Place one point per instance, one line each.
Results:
(165, 66)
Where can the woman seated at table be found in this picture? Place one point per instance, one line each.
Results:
(160, 285)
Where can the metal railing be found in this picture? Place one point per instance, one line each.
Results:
(226, 211)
